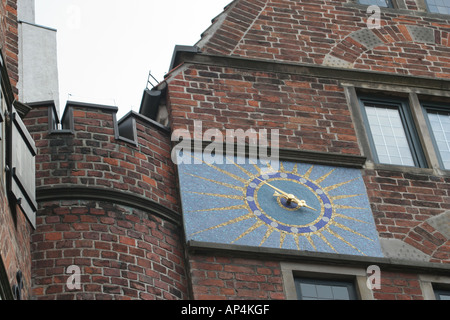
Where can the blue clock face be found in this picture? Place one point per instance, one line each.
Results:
(297, 206)
(268, 201)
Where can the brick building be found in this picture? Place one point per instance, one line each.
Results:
(357, 206)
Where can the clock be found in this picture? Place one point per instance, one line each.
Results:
(296, 206)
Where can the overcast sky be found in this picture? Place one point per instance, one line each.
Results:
(106, 48)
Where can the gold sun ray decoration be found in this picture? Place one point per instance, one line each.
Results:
(298, 206)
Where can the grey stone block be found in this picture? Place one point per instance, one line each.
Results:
(441, 223)
(397, 249)
(367, 38)
(422, 34)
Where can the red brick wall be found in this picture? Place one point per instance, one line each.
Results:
(9, 40)
(310, 113)
(399, 286)
(221, 277)
(122, 253)
(15, 235)
(230, 278)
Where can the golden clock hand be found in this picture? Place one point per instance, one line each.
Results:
(289, 197)
(310, 207)
(301, 203)
(275, 188)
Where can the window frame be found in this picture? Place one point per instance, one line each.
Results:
(437, 107)
(5, 287)
(349, 284)
(18, 183)
(427, 6)
(409, 126)
(16, 187)
(439, 292)
(430, 284)
(3, 109)
(392, 4)
(292, 270)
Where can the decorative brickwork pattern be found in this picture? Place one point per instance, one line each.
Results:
(403, 202)
(311, 31)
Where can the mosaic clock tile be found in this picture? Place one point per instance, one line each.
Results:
(298, 206)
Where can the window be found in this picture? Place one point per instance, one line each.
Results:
(2, 135)
(18, 154)
(313, 289)
(22, 164)
(5, 288)
(442, 294)
(439, 6)
(438, 118)
(380, 3)
(391, 132)
(345, 282)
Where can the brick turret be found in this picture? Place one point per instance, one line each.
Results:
(108, 206)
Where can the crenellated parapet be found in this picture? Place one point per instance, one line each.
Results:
(108, 206)
(89, 148)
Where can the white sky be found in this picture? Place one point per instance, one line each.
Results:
(106, 48)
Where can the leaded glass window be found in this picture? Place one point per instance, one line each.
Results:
(391, 132)
(439, 123)
(380, 3)
(439, 6)
(314, 289)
